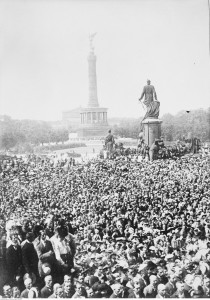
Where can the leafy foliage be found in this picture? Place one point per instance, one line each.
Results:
(18, 132)
(195, 123)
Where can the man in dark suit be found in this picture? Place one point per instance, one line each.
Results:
(29, 255)
(47, 290)
(171, 285)
(161, 276)
(45, 253)
(150, 291)
(180, 292)
(14, 258)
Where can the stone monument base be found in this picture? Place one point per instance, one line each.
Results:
(93, 131)
(152, 130)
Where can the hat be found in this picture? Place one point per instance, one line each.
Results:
(152, 248)
(169, 256)
(120, 239)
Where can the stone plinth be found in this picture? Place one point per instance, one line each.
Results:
(152, 130)
(93, 122)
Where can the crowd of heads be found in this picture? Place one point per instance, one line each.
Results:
(114, 228)
(158, 150)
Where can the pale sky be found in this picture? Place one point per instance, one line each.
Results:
(44, 47)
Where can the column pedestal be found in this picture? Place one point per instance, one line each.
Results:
(152, 130)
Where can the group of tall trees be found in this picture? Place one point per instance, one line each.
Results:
(19, 132)
(185, 124)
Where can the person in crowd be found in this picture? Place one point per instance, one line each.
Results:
(28, 285)
(14, 259)
(7, 291)
(118, 227)
(68, 289)
(64, 248)
(161, 289)
(29, 255)
(47, 290)
(206, 287)
(180, 291)
(56, 293)
(171, 285)
(33, 293)
(15, 292)
(59, 292)
(117, 291)
(150, 291)
(45, 252)
(137, 290)
(80, 291)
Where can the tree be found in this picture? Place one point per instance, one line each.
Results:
(8, 140)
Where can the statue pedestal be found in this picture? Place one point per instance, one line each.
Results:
(152, 130)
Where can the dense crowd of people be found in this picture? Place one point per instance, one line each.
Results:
(108, 228)
(159, 150)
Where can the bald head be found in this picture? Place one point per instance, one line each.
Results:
(153, 280)
(161, 289)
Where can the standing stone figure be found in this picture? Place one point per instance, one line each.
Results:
(109, 143)
(152, 105)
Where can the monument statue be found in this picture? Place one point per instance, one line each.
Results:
(109, 143)
(152, 105)
(91, 37)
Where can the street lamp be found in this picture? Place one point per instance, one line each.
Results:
(188, 120)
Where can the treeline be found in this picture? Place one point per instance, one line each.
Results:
(127, 128)
(184, 124)
(14, 133)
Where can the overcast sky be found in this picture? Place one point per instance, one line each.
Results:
(44, 47)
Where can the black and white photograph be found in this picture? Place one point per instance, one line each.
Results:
(105, 149)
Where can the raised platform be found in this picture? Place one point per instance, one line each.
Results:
(152, 130)
(93, 130)
(93, 122)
